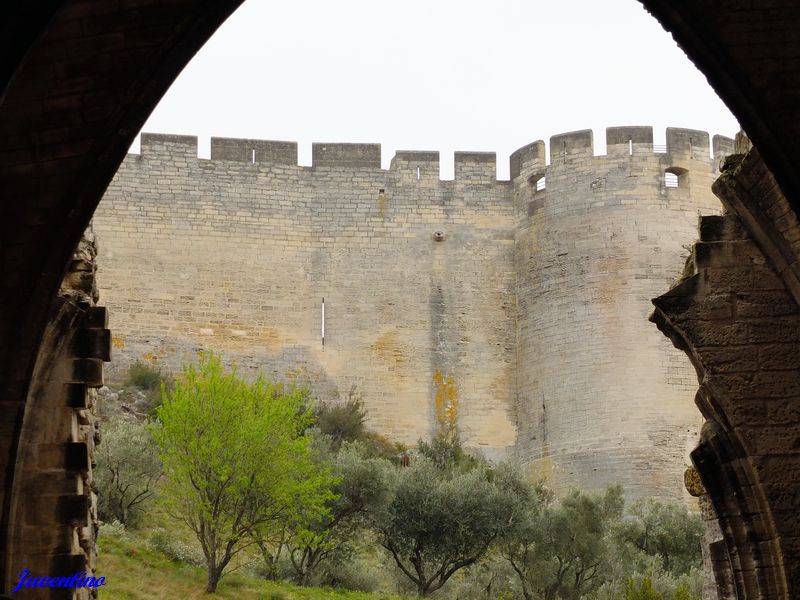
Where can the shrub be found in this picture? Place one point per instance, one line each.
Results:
(114, 529)
(641, 591)
(446, 452)
(175, 549)
(144, 376)
(149, 379)
(342, 422)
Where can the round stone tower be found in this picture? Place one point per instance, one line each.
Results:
(600, 398)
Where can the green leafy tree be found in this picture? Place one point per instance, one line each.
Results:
(665, 530)
(128, 469)
(441, 521)
(363, 490)
(237, 459)
(560, 550)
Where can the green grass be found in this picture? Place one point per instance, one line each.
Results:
(135, 572)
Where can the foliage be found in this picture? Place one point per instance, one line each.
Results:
(237, 459)
(446, 452)
(149, 379)
(491, 578)
(358, 567)
(378, 446)
(665, 530)
(683, 592)
(668, 586)
(174, 548)
(641, 591)
(439, 522)
(363, 490)
(342, 422)
(561, 551)
(135, 571)
(144, 376)
(128, 469)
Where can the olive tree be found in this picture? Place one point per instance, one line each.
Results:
(560, 551)
(128, 469)
(363, 490)
(663, 530)
(442, 520)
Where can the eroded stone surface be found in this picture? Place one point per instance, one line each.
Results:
(735, 314)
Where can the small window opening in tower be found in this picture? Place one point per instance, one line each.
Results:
(674, 177)
(630, 146)
(253, 156)
(540, 184)
(417, 173)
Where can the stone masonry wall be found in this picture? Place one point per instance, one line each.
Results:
(529, 306)
(236, 256)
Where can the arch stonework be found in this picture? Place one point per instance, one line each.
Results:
(77, 81)
(736, 315)
(79, 77)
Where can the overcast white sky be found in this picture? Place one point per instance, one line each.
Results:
(437, 75)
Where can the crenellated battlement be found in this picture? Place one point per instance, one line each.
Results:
(346, 155)
(254, 151)
(685, 149)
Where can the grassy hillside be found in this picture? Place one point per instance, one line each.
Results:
(135, 572)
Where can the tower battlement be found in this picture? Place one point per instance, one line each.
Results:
(683, 145)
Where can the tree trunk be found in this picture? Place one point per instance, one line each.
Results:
(213, 579)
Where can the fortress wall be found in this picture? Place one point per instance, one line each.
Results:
(601, 399)
(234, 254)
(528, 307)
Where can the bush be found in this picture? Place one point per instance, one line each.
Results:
(144, 376)
(446, 452)
(342, 422)
(148, 379)
(490, 579)
(377, 446)
(165, 542)
(641, 590)
(114, 529)
(350, 573)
